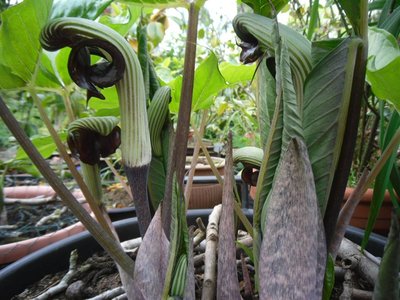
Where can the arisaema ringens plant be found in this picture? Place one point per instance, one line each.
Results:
(305, 97)
(115, 63)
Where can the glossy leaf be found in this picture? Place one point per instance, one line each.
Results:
(234, 74)
(326, 99)
(383, 65)
(19, 56)
(291, 241)
(264, 7)
(208, 81)
(123, 21)
(44, 144)
(87, 9)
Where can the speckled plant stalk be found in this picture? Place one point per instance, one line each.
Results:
(86, 37)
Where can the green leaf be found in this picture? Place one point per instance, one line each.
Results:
(87, 9)
(208, 82)
(313, 19)
(265, 97)
(179, 238)
(382, 180)
(159, 4)
(329, 279)
(158, 170)
(264, 8)
(19, 41)
(383, 65)
(352, 10)
(292, 127)
(110, 103)
(246, 250)
(234, 74)
(387, 285)
(326, 99)
(392, 22)
(322, 48)
(44, 144)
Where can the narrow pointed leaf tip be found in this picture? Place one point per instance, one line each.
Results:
(92, 138)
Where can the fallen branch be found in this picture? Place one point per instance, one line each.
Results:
(362, 264)
(200, 233)
(63, 284)
(131, 245)
(110, 294)
(210, 259)
(56, 214)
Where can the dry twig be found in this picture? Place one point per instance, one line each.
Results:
(110, 294)
(210, 260)
(63, 284)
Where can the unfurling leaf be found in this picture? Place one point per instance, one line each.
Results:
(293, 251)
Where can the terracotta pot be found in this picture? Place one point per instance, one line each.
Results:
(206, 195)
(14, 251)
(360, 216)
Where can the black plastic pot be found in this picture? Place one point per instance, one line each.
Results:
(17, 276)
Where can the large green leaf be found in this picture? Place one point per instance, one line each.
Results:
(208, 81)
(264, 8)
(159, 4)
(87, 9)
(326, 99)
(19, 41)
(236, 73)
(383, 65)
(44, 144)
